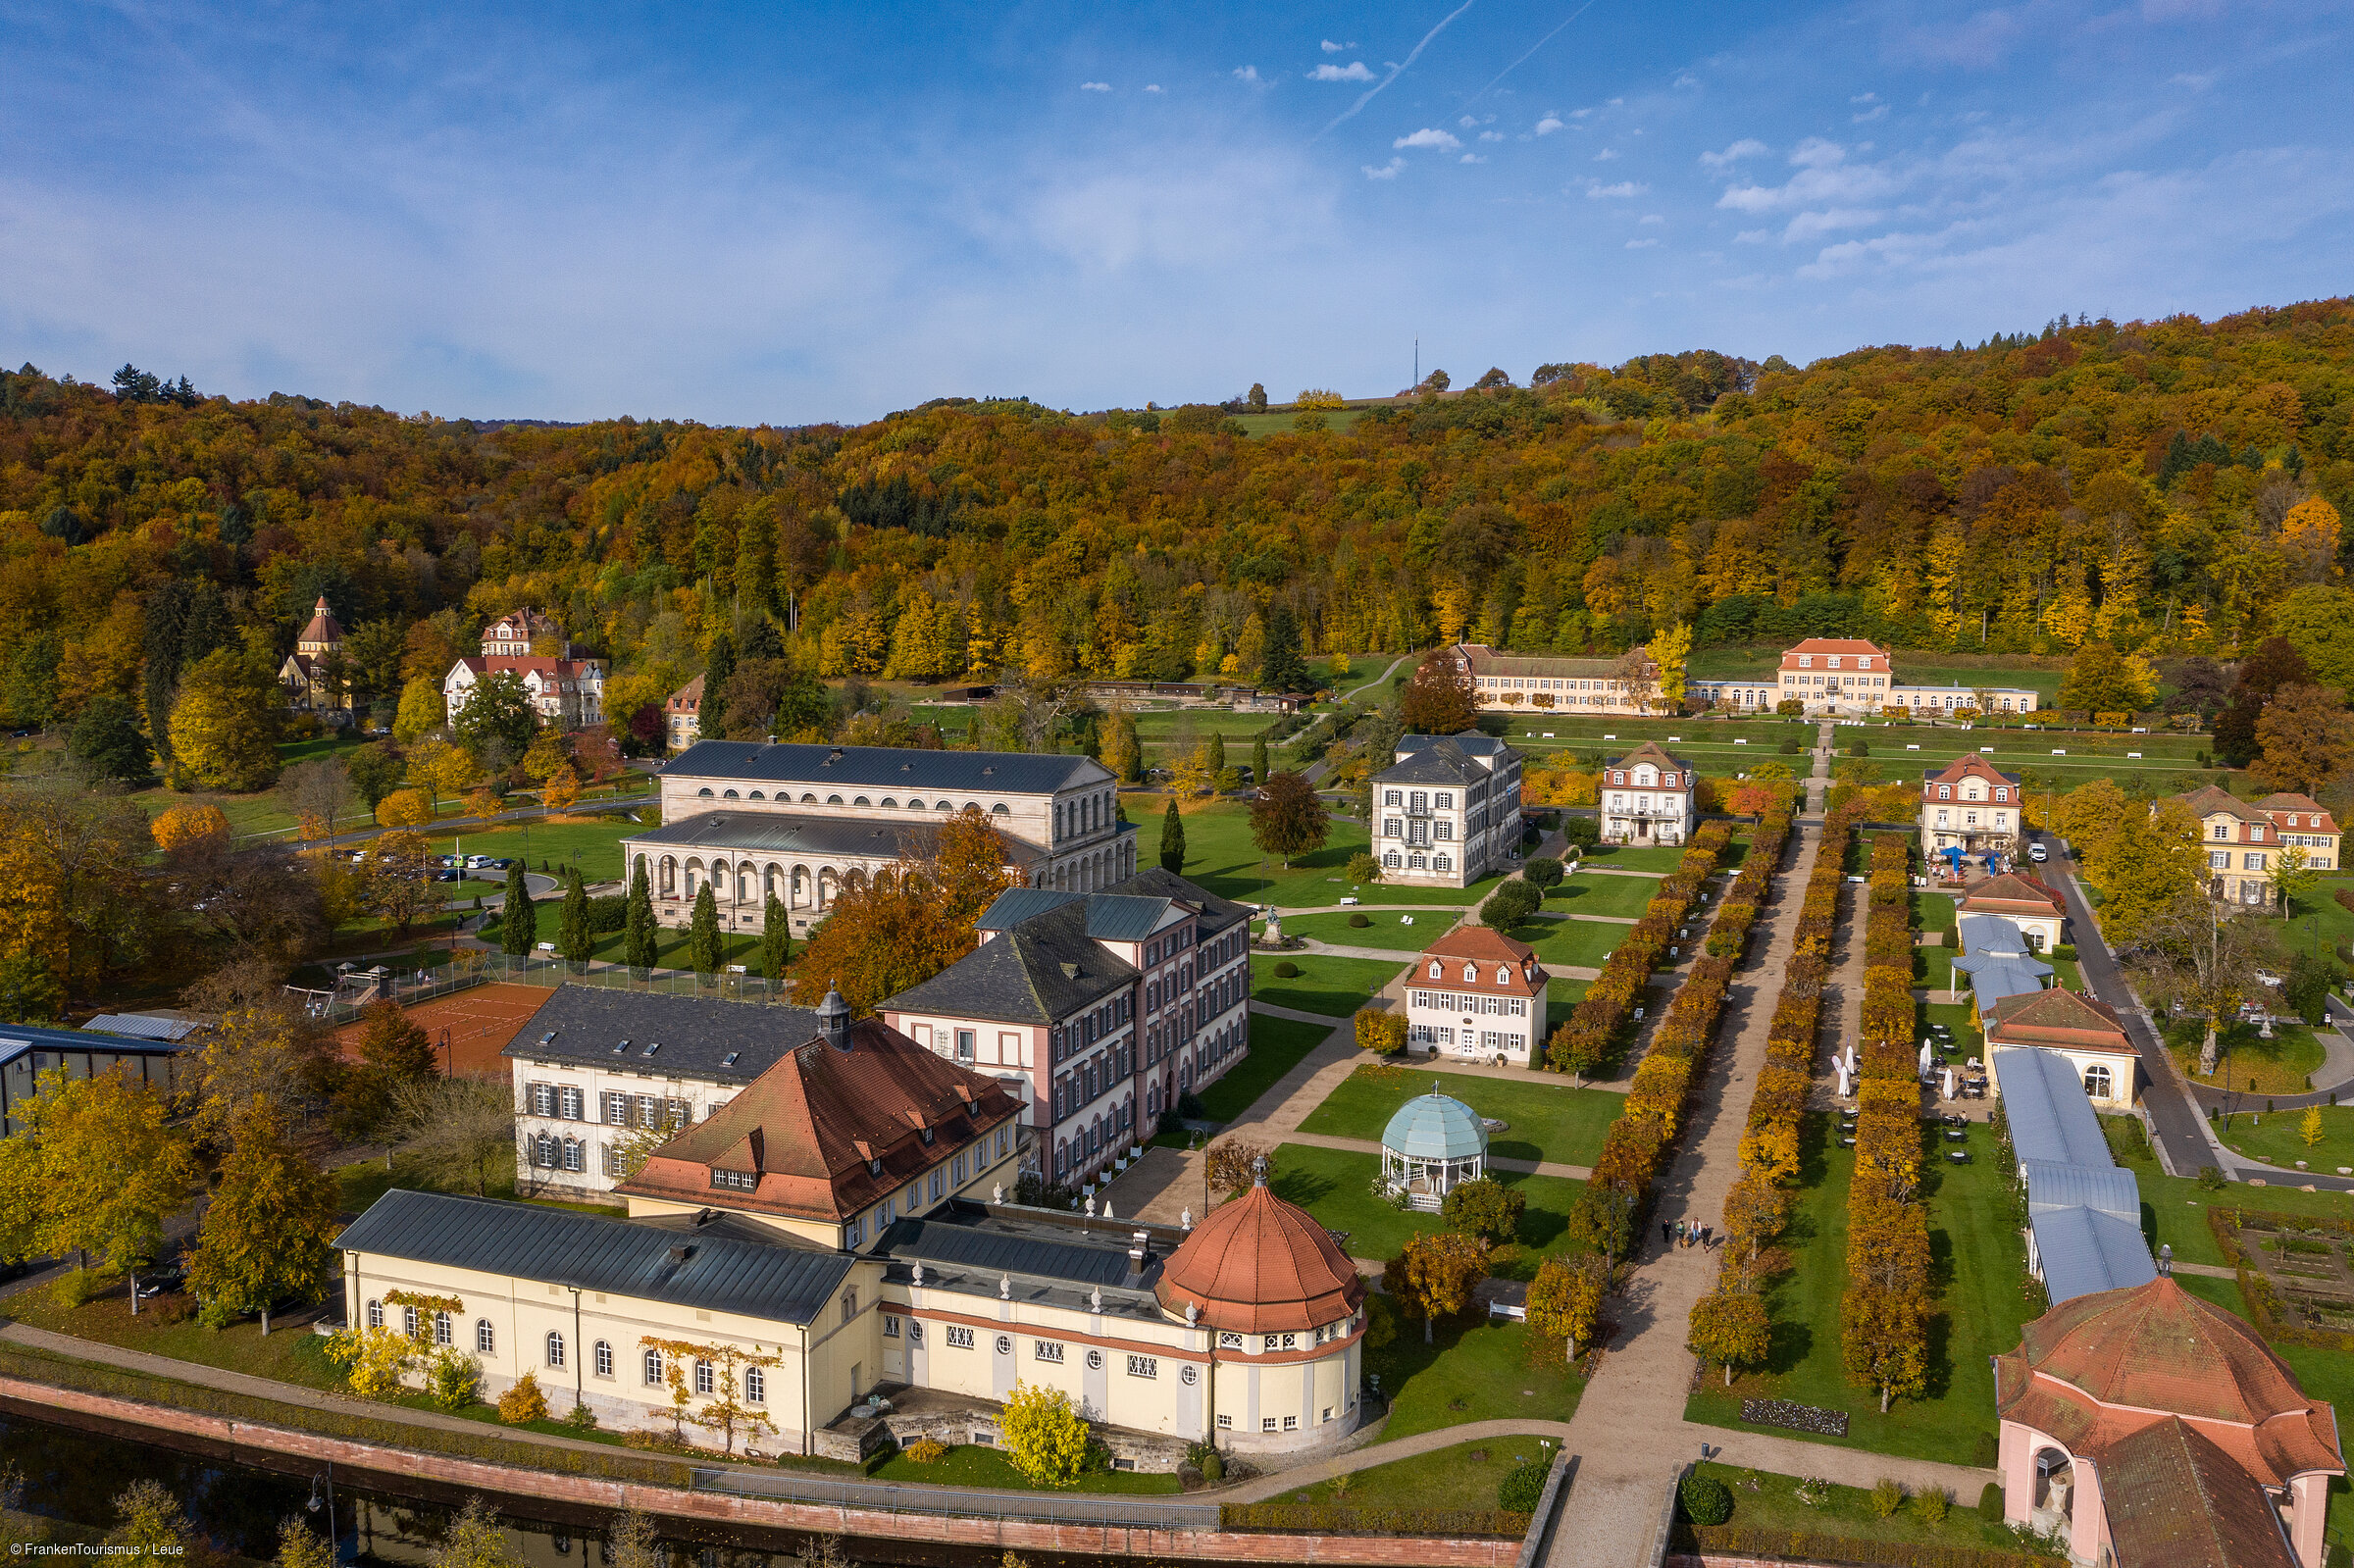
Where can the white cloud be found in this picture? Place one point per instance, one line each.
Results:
(1355, 70)
(1470, 158)
(1864, 98)
(2197, 82)
(1429, 136)
(1624, 187)
(1752, 236)
(1687, 79)
(1809, 225)
(1387, 170)
(1491, 136)
(1468, 120)
(1876, 112)
(1641, 245)
(1153, 86)
(1580, 114)
(1094, 86)
(1247, 74)
(1651, 218)
(1746, 147)
(1606, 154)
(1548, 126)
(1332, 48)
(1816, 153)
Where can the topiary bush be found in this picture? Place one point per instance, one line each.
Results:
(1706, 1500)
(1991, 1503)
(1287, 970)
(522, 1401)
(1523, 1488)
(1359, 920)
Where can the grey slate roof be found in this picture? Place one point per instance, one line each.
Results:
(1471, 743)
(1111, 917)
(785, 833)
(972, 773)
(1439, 763)
(1040, 972)
(1015, 1249)
(2049, 1117)
(1217, 914)
(2082, 1250)
(698, 1033)
(778, 1280)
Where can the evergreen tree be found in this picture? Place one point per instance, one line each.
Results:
(1172, 841)
(775, 940)
(703, 933)
(517, 921)
(637, 932)
(1217, 753)
(1281, 668)
(107, 740)
(575, 938)
(1258, 759)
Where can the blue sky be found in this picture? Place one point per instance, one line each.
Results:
(796, 213)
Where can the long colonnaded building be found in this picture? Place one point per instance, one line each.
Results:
(1831, 676)
(795, 822)
(838, 1229)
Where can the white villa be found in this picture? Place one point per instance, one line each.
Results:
(1647, 797)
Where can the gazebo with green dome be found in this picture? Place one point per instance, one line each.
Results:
(1431, 1146)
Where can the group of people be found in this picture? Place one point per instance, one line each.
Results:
(1683, 1232)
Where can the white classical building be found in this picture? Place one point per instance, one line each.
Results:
(1448, 810)
(1851, 676)
(1647, 797)
(1536, 684)
(798, 821)
(1476, 996)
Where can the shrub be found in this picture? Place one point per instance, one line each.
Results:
(2211, 1178)
(1170, 1125)
(77, 1288)
(1485, 1207)
(1287, 970)
(1886, 1497)
(216, 1314)
(1586, 832)
(1046, 1438)
(927, 1452)
(1543, 870)
(1189, 1105)
(1510, 904)
(1933, 1504)
(522, 1401)
(2067, 950)
(1213, 1466)
(1359, 920)
(1706, 1500)
(1991, 1503)
(454, 1381)
(582, 1419)
(1788, 748)
(1523, 1488)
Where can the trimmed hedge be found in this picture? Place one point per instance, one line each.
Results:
(1888, 1234)
(1758, 1540)
(1336, 1519)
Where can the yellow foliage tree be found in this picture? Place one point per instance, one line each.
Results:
(1044, 1436)
(1672, 649)
(405, 808)
(422, 711)
(190, 827)
(563, 789)
(225, 725)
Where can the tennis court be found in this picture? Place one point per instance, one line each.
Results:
(468, 1028)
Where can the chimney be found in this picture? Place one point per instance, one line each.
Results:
(834, 1020)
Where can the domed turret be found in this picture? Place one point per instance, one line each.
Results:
(1259, 1265)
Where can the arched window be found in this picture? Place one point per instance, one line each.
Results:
(861, 800)
(833, 800)
(915, 804)
(756, 1386)
(731, 795)
(486, 1338)
(442, 1328)
(703, 794)
(2096, 1081)
(604, 1358)
(705, 1379)
(999, 810)
(376, 1313)
(653, 1368)
(808, 799)
(408, 1321)
(556, 1349)
(942, 805)
(757, 795)
(890, 804)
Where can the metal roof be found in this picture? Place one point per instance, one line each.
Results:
(1041, 971)
(2084, 1251)
(17, 1038)
(701, 1038)
(1033, 1252)
(1434, 1126)
(1111, 917)
(2054, 1186)
(2044, 1102)
(1011, 773)
(778, 1280)
(138, 1025)
(1995, 976)
(789, 833)
(1990, 936)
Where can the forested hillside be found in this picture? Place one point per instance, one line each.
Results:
(2133, 483)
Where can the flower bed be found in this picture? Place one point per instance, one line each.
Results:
(1797, 1417)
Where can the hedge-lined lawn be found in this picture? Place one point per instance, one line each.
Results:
(1494, 1368)
(1549, 1120)
(1220, 857)
(1601, 895)
(971, 1465)
(1383, 928)
(1955, 1017)
(1585, 943)
(1324, 984)
(1466, 1476)
(1658, 859)
(1276, 1046)
(2278, 1138)
(2282, 1065)
(593, 843)
(1934, 911)
(1335, 1187)
(1976, 1285)
(1765, 1500)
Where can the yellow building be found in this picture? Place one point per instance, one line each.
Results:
(836, 1236)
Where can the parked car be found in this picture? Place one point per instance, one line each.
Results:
(503, 863)
(2037, 853)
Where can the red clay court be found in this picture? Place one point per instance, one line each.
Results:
(479, 1019)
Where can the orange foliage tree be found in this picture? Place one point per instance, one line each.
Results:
(895, 930)
(188, 827)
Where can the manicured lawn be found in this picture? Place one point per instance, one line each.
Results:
(1582, 942)
(2173, 1208)
(1335, 986)
(1955, 1017)
(1765, 1500)
(670, 943)
(1382, 929)
(1549, 1120)
(1625, 897)
(1465, 1476)
(166, 1325)
(1276, 1046)
(971, 1465)
(1933, 967)
(2281, 1064)
(1335, 1187)
(1493, 1369)
(1977, 1269)
(593, 843)
(1648, 857)
(1336, 420)
(2278, 1138)
(1934, 911)
(1220, 857)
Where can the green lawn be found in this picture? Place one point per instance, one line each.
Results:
(971, 1465)
(1495, 1370)
(1765, 1500)
(1625, 897)
(1935, 911)
(1584, 943)
(1335, 986)
(2278, 1138)
(1276, 1046)
(1336, 420)
(1955, 1017)
(1335, 1187)
(1549, 1120)
(2281, 1064)
(1652, 857)
(166, 1325)
(1979, 1267)
(670, 943)
(593, 844)
(2173, 1208)
(1465, 1476)
(1220, 857)
(1382, 929)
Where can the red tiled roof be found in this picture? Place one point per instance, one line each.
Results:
(2313, 816)
(688, 697)
(1491, 952)
(814, 1125)
(2057, 1016)
(1969, 765)
(1839, 645)
(1651, 752)
(2172, 1497)
(2010, 894)
(1259, 1265)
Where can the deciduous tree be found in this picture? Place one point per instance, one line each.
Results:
(396, 878)
(1289, 818)
(460, 1131)
(1440, 699)
(2196, 959)
(96, 1167)
(1484, 1207)
(421, 712)
(497, 712)
(268, 1233)
(2306, 738)
(1434, 1275)
(1046, 1438)
(1730, 1327)
(190, 827)
(224, 724)
(1564, 1300)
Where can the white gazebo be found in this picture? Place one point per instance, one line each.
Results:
(1430, 1146)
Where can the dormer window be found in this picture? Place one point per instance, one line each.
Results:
(1945, 792)
(1806, 661)
(1470, 974)
(1436, 972)
(1504, 974)
(1834, 660)
(923, 1133)
(735, 1181)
